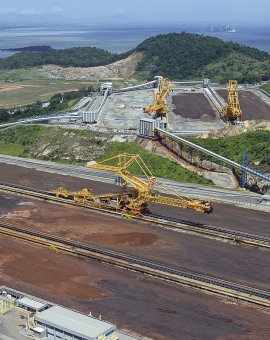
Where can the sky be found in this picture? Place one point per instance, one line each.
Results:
(163, 11)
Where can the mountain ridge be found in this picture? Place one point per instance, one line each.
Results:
(174, 55)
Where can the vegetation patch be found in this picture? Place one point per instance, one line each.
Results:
(257, 143)
(12, 149)
(76, 56)
(266, 88)
(186, 55)
(68, 146)
(57, 103)
(174, 55)
(237, 66)
(159, 166)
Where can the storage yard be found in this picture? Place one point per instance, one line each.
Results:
(124, 110)
(194, 106)
(105, 295)
(252, 105)
(155, 265)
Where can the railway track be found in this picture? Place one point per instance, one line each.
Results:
(154, 219)
(194, 280)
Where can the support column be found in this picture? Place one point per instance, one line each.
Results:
(210, 162)
(189, 154)
(180, 150)
(243, 177)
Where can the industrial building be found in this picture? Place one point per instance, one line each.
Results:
(32, 305)
(62, 323)
(45, 320)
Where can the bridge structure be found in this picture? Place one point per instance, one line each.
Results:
(210, 155)
(144, 86)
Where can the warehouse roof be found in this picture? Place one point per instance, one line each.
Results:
(148, 120)
(31, 303)
(73, 322)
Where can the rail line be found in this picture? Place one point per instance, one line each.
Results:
(178, 276)
(155, 219)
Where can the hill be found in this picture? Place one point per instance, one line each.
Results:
(175, 55)
(186, 55)
(76, 56)
(44, 48)
(233, 146)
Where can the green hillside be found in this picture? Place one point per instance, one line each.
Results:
(256, 142)
(76, 56)
(186, 55)
(175, 55)
(78, 147)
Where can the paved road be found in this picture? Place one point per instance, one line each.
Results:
(192, 190)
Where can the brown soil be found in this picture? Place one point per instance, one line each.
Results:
(194, 106)
(123, 69)
(134, 239)
(252, 106)
(27, 266)
(180, 250)
(239, 219)
(6, 88)
(155, 309)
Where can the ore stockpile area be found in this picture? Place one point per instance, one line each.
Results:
(252, 105)
(192, 111)
(194, 106)
(132, 300)
(169, 273)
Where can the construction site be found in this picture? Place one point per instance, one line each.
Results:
(158, 259)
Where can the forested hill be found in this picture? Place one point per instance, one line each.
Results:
(175, 55)
(76, 56)
(187, 55)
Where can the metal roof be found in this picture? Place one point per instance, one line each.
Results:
(31, 303)
(74, 323)
(150, 120)
(39, 329)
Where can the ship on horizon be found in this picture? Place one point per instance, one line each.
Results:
(225, 29)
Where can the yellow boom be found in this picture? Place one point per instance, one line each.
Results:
(160, 107)
(232, 111)
(143, 189)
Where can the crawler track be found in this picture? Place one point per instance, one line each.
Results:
(194, 280)
(159, 220)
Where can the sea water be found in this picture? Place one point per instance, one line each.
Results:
(116, 40)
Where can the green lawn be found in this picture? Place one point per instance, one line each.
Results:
(266, 88)
(11, 149)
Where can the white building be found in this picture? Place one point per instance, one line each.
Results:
(63, 324)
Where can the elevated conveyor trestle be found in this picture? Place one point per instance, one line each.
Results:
(225, 160)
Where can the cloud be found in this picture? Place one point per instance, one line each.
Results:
(57, 9)
(8, 10)
(119, 11)
(25, 11)
(29, 11)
